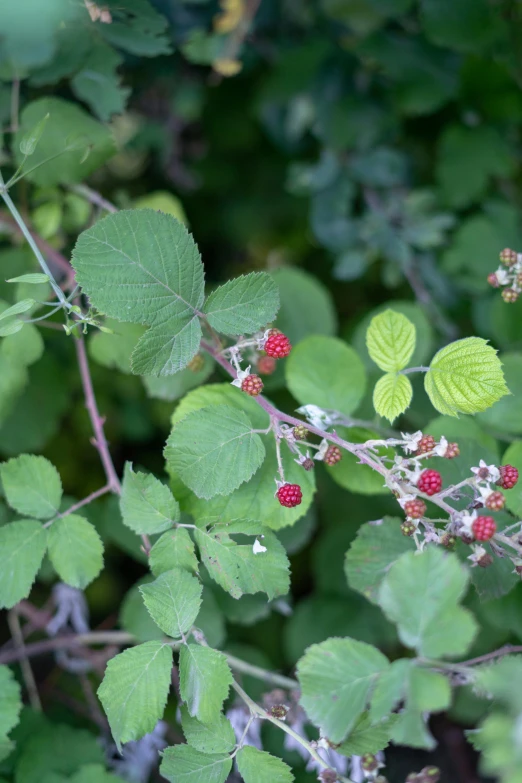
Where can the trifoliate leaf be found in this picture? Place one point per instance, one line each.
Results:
(421, 593)
(337, 678)
(32, 486)
(204, 681)
(183, 764)
(134, 690)
(11, 700)
(392, 395)
(243, 305)
(390, 340)
(366, 738)
(141, 266)
(175, 549)
(258, 766)
(173, 601)
(76, 550)
(147, 506)
(214, 450)
(22, 547)
(215, 737)
(465, 377)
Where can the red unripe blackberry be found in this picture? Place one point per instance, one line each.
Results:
(277, 345)
(509, 295)
(508, 476)
(496, 501)
(415, 509)
(508, 256)
(452, 451)
(266, 365)
(430, 482)
(493, 280)
(426, 443)
(407, 528)
(252, 385)
(333, 455)
(484, 528)
(289, 495)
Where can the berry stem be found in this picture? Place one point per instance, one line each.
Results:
(409, 370)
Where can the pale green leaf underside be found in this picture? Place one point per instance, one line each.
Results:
(32, 486)
(175, 549)
(173, 601)
(215, 737)
(10, 699)
(204, 681)
(147, 506)
(183, 764)
(142, 266)
(76, 550)
(365, 738)
(22, 547)
(258, 766)
(243, 305)
(465, 377)
(391, 339)
(392, 395)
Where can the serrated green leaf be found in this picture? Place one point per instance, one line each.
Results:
(235, 566)
(365, 738)
(389, 689)
(11, 700)
(134, 617)
(134, 690)
(141, 266)
(465, 377)
(215, 737)
(16, 309)
(424, 692)
(214, 450)
(497, 679)
(243, 305)
(183, 764)
(76, 550)
(173, 601)
(32, 486)
(204, 681)
(147, 506)
(421, 593)
(258, 766)
(337, 678)
(175, 549)
(22, 547)
(390, 340)
(392, 395)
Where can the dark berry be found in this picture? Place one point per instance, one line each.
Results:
(407, 528)
(369, 763)
(485, 560)
(308, 464)
(493, 280)
(448, 541)
(279, 711)
(426, 443)
(266, 365)
(196, 364)
(508, 257)
(415, 508)
(333, 455)
(430, 482)
(278, 346)
(289, 495)
(252, 385)
(496, 501)
(466, 538)
(328, 776)
(452, 451)
(484, 528)
(509, 295)
(300, 432)
(508, 476)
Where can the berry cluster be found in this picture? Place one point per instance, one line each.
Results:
(508, 476)
(277, 345)
(430, 482)
(508, 276)
(484, 528)
(252, 385)
(289, 495)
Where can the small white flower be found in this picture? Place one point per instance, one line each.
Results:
(316, 416)
(467, 520)
(493, 471)
(441, 447)
(321, 451)
(502, 275)
(411, 442)
(258, 547)
(241, 375)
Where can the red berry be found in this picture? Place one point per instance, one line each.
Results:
(509, 295)
(508, 256)
(495, 502)
(277, 345)
(430, 482)
(415, 509)
(493, 280)
(484, 528)
(426, 443)
(289, 495)
(452, 451)
(252, 385)
(333, 455)
(266, 365)
(508, 476)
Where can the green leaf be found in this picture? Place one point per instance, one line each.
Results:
(337, 678)
(468, 26)
(243, 305)
(216, 737)
(390, 340)
(204, 681)
(137, 28)
(114, 350)
(420, 593)
(147, 506)
(56, 748)
(425, 692)
(506, 414)
(32, 278)
(173, 601)
(76, 550)
(141, 266)
(11, 699)
(99, 84)
(465, 377)
(32, 486)
(16, 309)
(235, 566)
(22, 547)
(423, 331)
(22, 348)
(175, 549)
(306, 305)
(513, 456)
(134, 617)
(392, 395)
(389, 689)
(28, 146)
(372, 554)
(94, 773)
(350, 473)
(365, 738)
(183, 764)
(310, 379)
(258, 766)
(172, 387)
(134, 690)
(214, 450)
(11, 327)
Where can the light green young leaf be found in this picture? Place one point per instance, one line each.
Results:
(390, 340)
(337, 678)
(367, 738)
(10, 699)
(11, 327)
(30, 140)
(243, 305)
(392, 395)
(424, 692)
(134, 690)
(465, 377)
(76, 550)
(183, 764)
(32, 278)
(147, 506)
(258, 766)
(215, 737)
(204, 681)
(32, 486)
(16, 309)
(421, 593)
(214, 450)
(142, 266)
(173, 601)
(22, 547)
(235, 566)
(175, 549)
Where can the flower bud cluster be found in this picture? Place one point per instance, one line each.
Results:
(508, 276)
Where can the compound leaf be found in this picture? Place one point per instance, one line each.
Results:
(215, 737)
(175, 549)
